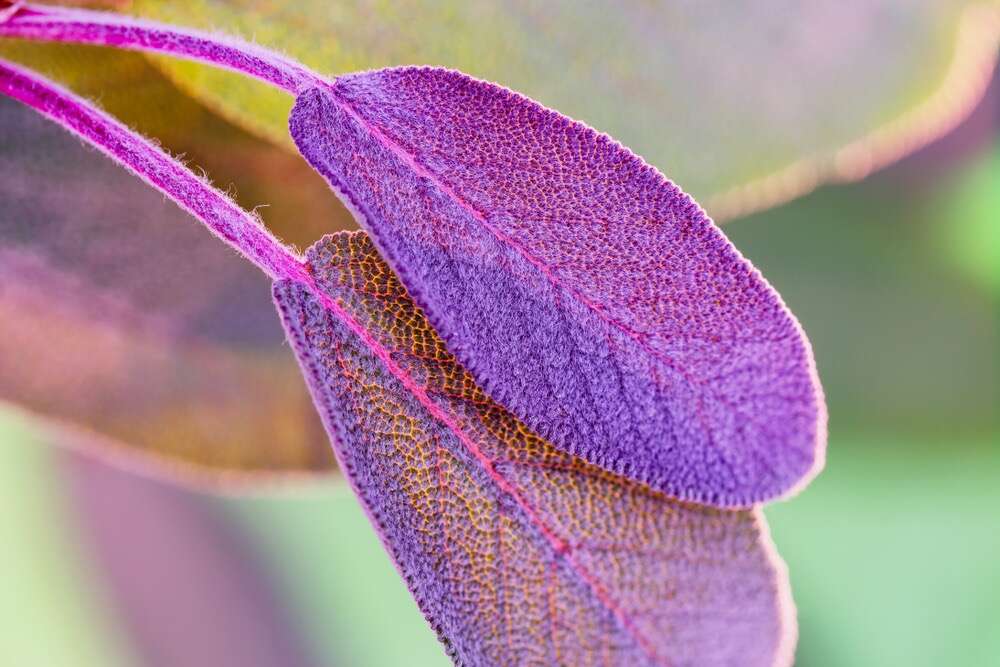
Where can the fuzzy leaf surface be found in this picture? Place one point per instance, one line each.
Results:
(583, 290)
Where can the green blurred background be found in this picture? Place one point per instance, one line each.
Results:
(893, 550)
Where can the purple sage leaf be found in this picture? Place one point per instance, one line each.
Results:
(583, 290)
(516, 552)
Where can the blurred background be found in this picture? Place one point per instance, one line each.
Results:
(895, 276)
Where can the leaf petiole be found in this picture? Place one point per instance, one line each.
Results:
(57, 24)
(240, 229)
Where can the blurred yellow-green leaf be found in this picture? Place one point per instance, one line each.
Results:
(743, 106)
(971, 236)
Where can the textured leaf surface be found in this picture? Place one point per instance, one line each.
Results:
(101, 324)
(744, 105)
(583, 290)
(518, 553)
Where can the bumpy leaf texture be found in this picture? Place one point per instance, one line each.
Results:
(582, 289)
(102, 326)
(745, 104)
(517, 553)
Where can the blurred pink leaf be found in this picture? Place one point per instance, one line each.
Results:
(188, 588)
(103, 327)
(192, 383)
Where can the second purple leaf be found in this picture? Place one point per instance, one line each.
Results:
(516, 553)
(582, 289)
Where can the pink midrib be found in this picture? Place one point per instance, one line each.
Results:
(418, 168)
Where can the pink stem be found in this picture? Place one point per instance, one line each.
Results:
(240, 229)
(58, 24)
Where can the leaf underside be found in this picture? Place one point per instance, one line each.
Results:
(517, 552)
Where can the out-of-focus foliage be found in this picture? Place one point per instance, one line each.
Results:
(902, 339)
(102, 567)
(52, 611)
(716, 95)
(970, 235)
(893, 553)
(196, 381)
(335, 572)
(107, 325)
(215, 605)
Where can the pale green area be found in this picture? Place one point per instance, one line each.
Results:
(893, 554)
(339, 578)
(972, 238)
(714, 94)
(51, 614)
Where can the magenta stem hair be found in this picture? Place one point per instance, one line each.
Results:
(240, 229)
(58, 24)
